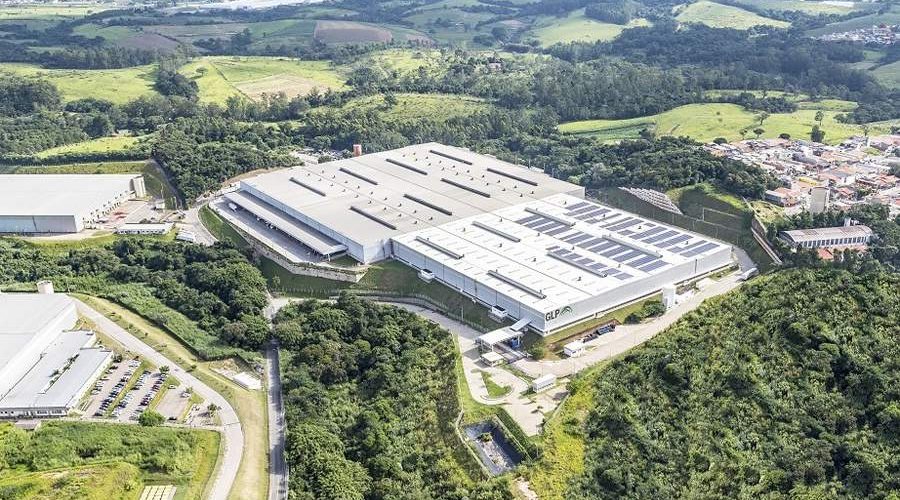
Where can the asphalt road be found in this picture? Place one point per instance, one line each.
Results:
(278, 471)
(232, 434)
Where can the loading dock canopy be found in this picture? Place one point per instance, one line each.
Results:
(504, 334)
(315, 240)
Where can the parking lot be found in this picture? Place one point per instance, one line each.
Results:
(126, 390)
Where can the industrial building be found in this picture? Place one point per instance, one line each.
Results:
(45, 365)
(828, 237)
(514, 239)
(63, 203)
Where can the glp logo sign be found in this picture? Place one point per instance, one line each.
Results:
(557, 313)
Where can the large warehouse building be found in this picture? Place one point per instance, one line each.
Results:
(64, 203)
(505, 235)
(45, 366)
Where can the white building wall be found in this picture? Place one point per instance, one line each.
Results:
(40, 224)
(581, 310)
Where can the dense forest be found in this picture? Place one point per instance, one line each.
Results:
(216, 287)
(371, 398)
(787, 388)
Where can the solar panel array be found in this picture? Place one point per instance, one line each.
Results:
(618, 249)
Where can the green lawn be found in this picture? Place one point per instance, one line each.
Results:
(494, 389)
(724, 16)
(116, 85)
(704, 122)
(99, 145)
(577, 28)
(220, 77)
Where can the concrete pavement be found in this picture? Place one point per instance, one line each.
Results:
(278, 469)
(232, 434)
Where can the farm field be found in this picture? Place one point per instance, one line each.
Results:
(718, 15)
(578, 28)
(220, 77)
(116, 85)
(99, 145)
(405, 61)
(49, 12)
(53, 462)
(705, 122)
(350, 32)
(126, 36)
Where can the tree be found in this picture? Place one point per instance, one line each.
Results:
(151, 418)
(819, 117)
(164, 369)
(758, 131)
(817, 134)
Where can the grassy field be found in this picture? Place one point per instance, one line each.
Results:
(412, 106)
(115, 85)
(252, 478)
(705, 122)
(99, 145)
(406, 61)
(888, 74)
(577, 28)
(220, 77)
(724, 16)
(80, 460)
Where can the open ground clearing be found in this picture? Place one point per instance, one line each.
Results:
(49, 12)
(888, 75)
(350, 32)
(99, 145)
(705, 122)
(414, 106)
(221, 77)
(116, 85)
(577, 28)
(724, 16)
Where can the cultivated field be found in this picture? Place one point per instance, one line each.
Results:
(578, 28)
(225, 76)
(115, 85)
(724, 16)
(350, 32)
(705, 122)
(888, 75)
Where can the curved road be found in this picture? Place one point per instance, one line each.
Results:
(232, 434)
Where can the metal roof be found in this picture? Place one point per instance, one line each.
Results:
(822, 233)
(59, 194)
(23, 315)
(56, 380)
(373, 197)
(531, 253)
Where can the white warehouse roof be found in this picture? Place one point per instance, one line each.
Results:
(59, 194)
(373, 197)
(23, 316)
(551, 253)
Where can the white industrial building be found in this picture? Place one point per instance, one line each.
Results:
(45, 365)
(509, 237)
(828, 237)
(62, 203)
